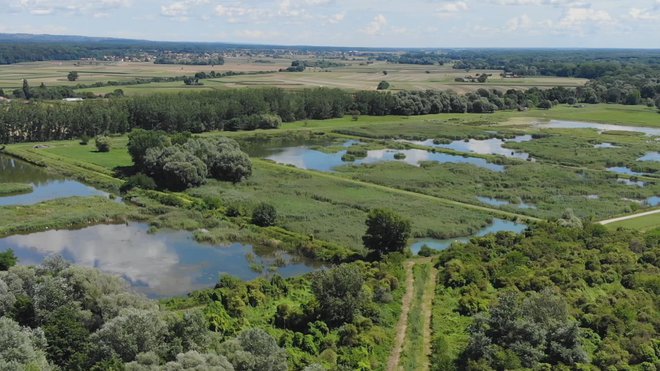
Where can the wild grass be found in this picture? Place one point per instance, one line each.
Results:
(644, 223)
(8, 189)
(64, 213)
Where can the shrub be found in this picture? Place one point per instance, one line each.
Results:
(138, 180)
(264, 215)
(84, 140)
(383, 85)
(103, 143)
(426, 251)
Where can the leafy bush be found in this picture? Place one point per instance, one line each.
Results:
(102, 143)
(264, 215)
(138, 180)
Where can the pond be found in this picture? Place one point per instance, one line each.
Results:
(304, 157)
(651, 156)
(606, 145)
(636, 183)
(624, 170)
(163, 264)
(498, 203)
(498, 225)
(493, 146)
(653, 201)
(45, 186)
(559, 124)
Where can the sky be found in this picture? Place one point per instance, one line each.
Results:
(369, 23)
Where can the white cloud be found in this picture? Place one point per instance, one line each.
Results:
(522, 22)
(179, 9)
(453, 7)
(575, 17)
(376, 26)
(639, 14)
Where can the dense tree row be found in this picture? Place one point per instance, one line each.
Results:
(555, 296)
(250, 109)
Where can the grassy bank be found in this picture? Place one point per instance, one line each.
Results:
(64, 213)
(7, 189)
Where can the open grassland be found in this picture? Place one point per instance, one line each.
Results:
(644, 223)
(355, 75)
(334, 209)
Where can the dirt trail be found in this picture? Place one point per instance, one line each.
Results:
(402, 326)
(427, 312)
(614, 220)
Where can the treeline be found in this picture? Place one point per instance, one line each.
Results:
(250, 109)
(196, 61)
(555, 297)
(422, 58)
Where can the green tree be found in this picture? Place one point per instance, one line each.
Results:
(67, 337)
(7, 259)
(139, 141)
(386, 232)
(545, 104)
(339, 293)
(264, 215)
(102, 143)
(383, 85)
(255, 350)
(21, 348)
(27, 94)
(175, 168)
(72, 76)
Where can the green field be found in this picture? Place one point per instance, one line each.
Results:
(644, 223)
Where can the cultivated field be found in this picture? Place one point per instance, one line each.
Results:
(356, 75)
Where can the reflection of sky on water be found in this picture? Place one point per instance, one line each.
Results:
(498, 202)
(306, 158)
(653, 201)
(161, 264)
(45, 186)
(498, 225)
(623, 170)
(651, 156)
(558, 124)
(637, 183)
(493, 146)
(605, 145)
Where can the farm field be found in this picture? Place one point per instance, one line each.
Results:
(356, 75)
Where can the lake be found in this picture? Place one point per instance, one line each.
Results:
(162, 264)
(305, 157)
(493, 146)
(45, 186)
(560, 124)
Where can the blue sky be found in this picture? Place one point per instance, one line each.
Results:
(377, 23)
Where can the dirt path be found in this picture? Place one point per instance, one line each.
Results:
(614, 220)
(427, 312)
(402, 326)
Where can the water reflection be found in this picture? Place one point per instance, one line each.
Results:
(624, 170)
(559, 124)
(493, 146)
(159, 265)
(307, 158)
(498, 225)
(606, 145)
(653, 201)
(651, 156)
(636, 183)
(46, 186)
(498, 203)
